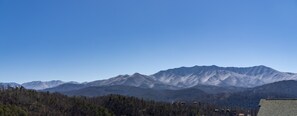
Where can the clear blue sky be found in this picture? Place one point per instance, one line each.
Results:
(86, 40)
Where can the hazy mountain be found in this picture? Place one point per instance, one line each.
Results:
(5, 85)
(210, 89)
(251, 98)
(66, 87)
(116, 89)
(288, 87)
(221, 76)
(146, 93)
(39, 85)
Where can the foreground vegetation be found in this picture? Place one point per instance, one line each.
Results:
(22, 102)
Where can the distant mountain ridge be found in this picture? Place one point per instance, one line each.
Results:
(212, 84)
(209, 79)
(12, 84)
(186, 77)
(37, 85)
(181, 78)
(135, 80)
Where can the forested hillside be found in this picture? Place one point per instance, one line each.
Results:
(19, 101)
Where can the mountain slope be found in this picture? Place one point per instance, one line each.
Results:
(146, 93)
(288, 87)
(210, 89)
(6, 85)
(66, 87)
(135, 80)
(251, 97)
(39, 85)
(221, 76)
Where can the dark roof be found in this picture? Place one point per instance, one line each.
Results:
(278, 107)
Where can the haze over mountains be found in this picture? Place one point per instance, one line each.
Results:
(36, 85)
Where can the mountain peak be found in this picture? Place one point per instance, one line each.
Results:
(137, 74)
(261, 66)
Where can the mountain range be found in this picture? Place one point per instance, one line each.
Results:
(36, 85)
(188, 77)
(220, 85)
(183, 77)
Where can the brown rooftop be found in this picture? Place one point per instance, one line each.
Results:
(278, 107)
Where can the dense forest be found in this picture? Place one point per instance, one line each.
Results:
(21, 102)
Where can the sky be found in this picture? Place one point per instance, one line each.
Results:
(87, 40)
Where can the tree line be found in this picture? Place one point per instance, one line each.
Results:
(22, 102)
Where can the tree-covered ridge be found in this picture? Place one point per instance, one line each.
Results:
(19, 101)
(132, 106)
